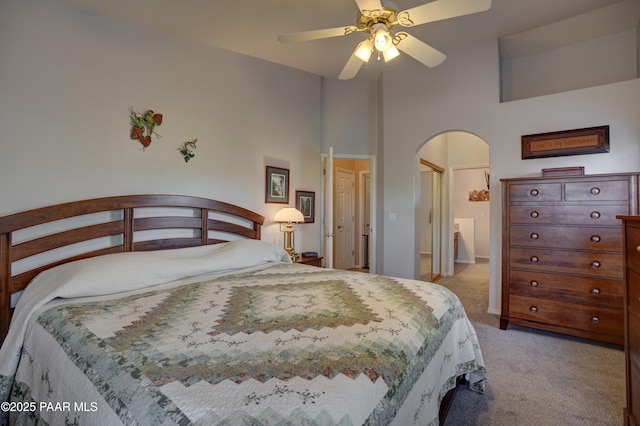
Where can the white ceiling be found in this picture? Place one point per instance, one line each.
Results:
(251, 27)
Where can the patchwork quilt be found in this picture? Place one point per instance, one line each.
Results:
(272, 344)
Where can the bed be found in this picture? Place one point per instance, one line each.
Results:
(166, 309)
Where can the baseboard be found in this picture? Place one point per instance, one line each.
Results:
(493, 311)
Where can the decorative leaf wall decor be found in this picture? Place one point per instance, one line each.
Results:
(187, 150)
(143, 125)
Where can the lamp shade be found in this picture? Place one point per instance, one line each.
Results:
(390, 53)
(363, 51)
(289, 215)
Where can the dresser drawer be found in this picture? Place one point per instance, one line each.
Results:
(535, 192)
(613, 190)
(592, 215)
(596, 291)
(567, 262)
(593, 319)
(584, 238)
(632, 235)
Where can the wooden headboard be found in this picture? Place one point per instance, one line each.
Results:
(39, 239)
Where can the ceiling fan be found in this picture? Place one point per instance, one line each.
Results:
(378, 21)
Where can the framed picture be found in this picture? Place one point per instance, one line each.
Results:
(306, 203)
(592, 140)
(277, 188)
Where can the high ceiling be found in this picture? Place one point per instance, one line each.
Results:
(251, 27)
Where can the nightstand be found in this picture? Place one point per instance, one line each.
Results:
(313, 261)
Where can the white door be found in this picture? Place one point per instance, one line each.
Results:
(344, 219)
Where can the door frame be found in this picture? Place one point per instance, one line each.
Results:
(437, 223)
(361, 197)
(373, 230)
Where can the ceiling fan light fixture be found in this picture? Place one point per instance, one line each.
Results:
(390, 53)
(363, 51)
(381, 36)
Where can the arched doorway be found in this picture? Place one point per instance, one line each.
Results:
(465, 160)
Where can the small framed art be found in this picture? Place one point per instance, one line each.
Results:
(306, 203)
(277, 185)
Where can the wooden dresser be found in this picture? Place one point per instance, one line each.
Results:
(562, 261)
(631, 235)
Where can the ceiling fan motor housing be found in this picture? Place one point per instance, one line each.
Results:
(386, 16)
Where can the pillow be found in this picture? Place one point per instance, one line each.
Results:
(120, 272)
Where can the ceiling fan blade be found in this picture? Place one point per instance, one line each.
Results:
(317, 34)
(419, 50)
(441, 9)
(369, 4)
(351, 68)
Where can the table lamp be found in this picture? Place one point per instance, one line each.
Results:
(287, 217)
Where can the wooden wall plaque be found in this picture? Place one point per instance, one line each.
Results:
(592, 140)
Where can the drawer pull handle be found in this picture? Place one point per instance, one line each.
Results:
(595, 320)
(638, 249)
(534, 192)
(535, 236)
(533, 309)
(595, 238)
(595, 215)
(534, 214)
(533, 283)
(595, 291)
(534, 259)
(595, 264)
(595, 190)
